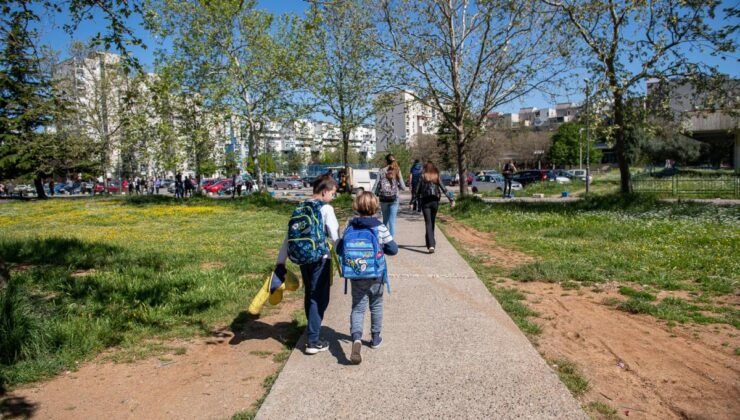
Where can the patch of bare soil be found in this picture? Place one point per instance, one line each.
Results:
(211, 265)
(483, 244)
(213, 378)
(635, 363)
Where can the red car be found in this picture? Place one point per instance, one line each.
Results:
(218, 186)
(112, 188)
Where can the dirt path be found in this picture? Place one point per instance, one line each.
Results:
(210, 378)
(634, 363)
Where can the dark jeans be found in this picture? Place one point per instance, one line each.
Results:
(316, 280)
(507, 186)
(429, 208)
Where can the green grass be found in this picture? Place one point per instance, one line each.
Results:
(643, 295)
(602, 410)
(89, 274)
(510, 299)
(570, 376)
(626, 239)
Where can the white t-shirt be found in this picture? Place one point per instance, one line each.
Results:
(331, 225)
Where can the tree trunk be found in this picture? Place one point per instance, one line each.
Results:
(624, 168)
(255, 158)
(462, 163)
(38, 182)
(345, 159)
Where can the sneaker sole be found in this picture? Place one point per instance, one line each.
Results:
(314, 350)
(356, 357)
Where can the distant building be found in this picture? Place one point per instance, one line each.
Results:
(404, 120)
(566, 112)
(703, 116)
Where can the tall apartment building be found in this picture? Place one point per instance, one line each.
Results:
(405, 119)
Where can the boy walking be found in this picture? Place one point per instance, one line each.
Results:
(313, 224)
(362, 253)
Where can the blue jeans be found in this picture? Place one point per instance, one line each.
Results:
(316, 280)
(363, 291)
(390, 210)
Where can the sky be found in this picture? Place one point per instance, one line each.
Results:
(51, 33)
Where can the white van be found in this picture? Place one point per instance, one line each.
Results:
(363, 179)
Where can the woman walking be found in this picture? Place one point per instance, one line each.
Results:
(428, 192)
(386, 188)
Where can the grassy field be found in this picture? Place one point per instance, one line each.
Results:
(636, 241)
(89, 274)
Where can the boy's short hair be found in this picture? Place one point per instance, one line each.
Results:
(366, 204)
(323, 183)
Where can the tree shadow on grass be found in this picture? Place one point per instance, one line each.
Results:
(17, 407)
(73, 253)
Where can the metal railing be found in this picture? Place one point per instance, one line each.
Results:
(683, 186)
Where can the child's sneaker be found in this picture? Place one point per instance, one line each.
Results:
(356, 357)
(377, 341)
(431, 250)
(317, 347)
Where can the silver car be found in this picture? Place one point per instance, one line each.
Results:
(493, 182)
(288, 184)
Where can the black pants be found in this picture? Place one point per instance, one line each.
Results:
(507, 186)
(429, 208)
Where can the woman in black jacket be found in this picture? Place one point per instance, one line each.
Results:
(427, 194)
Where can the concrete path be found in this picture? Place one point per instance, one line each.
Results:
(449, 351)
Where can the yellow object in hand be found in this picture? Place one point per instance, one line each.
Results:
(261, 297)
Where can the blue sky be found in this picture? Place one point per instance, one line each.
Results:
(51, 33)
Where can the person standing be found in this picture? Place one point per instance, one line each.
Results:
(157, 185)
(178, 185)
(313, 227)
(428, 192)
(51, 187)
(233, 186)
(414, 177)
(389, 183)
(508, 171)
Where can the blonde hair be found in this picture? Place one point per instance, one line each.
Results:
(366, 204)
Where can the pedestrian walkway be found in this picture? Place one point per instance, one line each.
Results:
(449, 351)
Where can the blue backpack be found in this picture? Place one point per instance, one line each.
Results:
(306, 234)
(362, 256)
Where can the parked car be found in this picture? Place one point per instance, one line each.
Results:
(580, 174)
(530, 176)
(492, 183)
(113, 187)
(218, 186)
(447, 179)
(287, 184)
(561, 177)
(60, 188)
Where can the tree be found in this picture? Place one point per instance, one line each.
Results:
(347, 67)
(250, 61)
(294, 162)
(626, 43)
(466, 58)
(26, 104)
(569, 146)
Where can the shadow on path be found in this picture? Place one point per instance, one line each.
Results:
(412, 248)
(17, 407)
